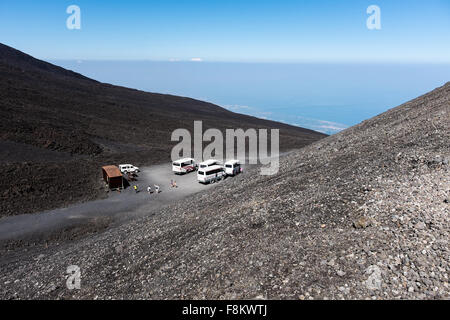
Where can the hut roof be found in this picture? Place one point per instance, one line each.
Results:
(112, 171)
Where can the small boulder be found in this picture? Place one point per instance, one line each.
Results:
(362, 222)
(420, 225)
(374, 280)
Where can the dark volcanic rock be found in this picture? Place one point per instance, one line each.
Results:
(53, 109)
(287, 236)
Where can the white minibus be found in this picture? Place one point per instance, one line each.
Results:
(208, 163)
(210, 174)
(232, 167)
(184, 165)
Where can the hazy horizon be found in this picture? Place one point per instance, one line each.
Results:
(325, 97)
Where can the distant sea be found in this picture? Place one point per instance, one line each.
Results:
(323, 97)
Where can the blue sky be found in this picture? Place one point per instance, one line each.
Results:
(246, 31)
(310, 63)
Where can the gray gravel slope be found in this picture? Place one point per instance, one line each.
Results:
(361, 214)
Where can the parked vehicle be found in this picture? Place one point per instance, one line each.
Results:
(232, 167)
(209, 163)
(210, 174)
(184, 165)
(128, 168)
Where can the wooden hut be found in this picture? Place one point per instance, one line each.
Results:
(113, 177)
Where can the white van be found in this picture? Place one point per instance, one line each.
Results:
(184, 165)
(128, 168)
(208, 163)
(232, 167)
(210, 174)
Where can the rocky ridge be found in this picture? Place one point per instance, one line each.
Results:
(363, 214)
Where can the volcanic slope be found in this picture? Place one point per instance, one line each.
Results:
(57, 128)
(360, 214)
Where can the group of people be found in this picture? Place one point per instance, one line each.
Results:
(173, 184)
(149, 189)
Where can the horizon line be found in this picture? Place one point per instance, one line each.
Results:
(205, 61)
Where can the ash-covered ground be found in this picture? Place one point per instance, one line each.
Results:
(58, 128)
(363, 214)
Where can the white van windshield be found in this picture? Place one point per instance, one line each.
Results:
(176, 164)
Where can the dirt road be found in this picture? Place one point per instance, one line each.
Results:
(117, 208)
